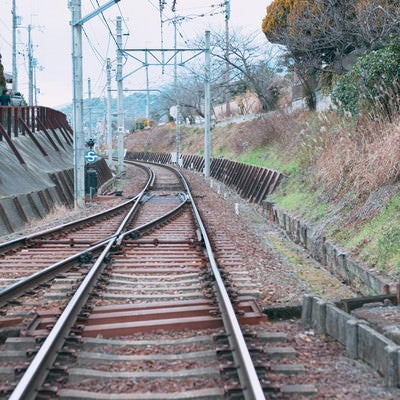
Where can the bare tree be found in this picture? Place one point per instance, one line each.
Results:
(253, 65)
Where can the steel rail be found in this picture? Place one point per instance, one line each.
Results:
(20, 287)
(140, 230)
(35, 375)
(37, 371)
(25, 239)
(252, 389)
(30, 282)
(29, 385)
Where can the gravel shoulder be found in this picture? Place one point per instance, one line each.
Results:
(287, 273)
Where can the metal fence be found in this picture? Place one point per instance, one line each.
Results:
(250, 182)
(21, 121)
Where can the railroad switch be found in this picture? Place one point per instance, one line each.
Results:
(85, 258)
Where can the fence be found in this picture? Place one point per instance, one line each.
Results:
(250, 182)
(21, 121)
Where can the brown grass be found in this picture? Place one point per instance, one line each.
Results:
(334, 153)
(359, 160)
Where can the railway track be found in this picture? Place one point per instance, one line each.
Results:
(134, 306)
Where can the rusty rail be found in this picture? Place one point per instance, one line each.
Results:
(38, 370)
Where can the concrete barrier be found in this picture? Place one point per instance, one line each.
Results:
(361, 341)
(328, 254)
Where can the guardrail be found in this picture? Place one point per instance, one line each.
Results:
(22, 121)
(250, 182)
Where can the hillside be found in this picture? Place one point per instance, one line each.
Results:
(342, 177)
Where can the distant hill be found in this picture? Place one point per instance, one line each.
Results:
(134, 108)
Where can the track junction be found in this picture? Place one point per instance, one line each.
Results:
(132, 304)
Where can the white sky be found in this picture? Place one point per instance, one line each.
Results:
(52, 39)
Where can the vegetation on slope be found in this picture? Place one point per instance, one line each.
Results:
(343, 177)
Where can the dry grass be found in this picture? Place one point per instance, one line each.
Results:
(349, 172)
(275, 128)
(332, 152)
(157, 140)
(359, 160)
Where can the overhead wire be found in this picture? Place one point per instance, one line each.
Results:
(95, 49)
(192, 13)
(5, 27)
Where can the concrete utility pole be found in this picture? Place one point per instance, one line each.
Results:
(177, 122)
(14, 48)
(90, 107)
(227, 66)
(147, 92)
(108, 117)
(121, 128)
(30, 62)
(77, 116)
(207, 108)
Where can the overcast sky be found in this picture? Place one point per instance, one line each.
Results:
(52, 39)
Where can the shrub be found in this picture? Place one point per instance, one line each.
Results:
(372, 86)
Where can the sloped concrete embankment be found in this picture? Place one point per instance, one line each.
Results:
(32, 189)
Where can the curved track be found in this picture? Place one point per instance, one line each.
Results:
(142, 312)
(154, 273)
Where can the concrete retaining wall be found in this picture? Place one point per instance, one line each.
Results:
(328, 254)
(44, 179)
(32, 189)
(361, 341)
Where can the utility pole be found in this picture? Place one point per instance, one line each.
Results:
(30, 62)
(147, 91)
(90, 107)
(177, 122)
(77, 116)
(14, 48)
(120, 89)
(207, 108)
(109, 125)
(227, 66)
